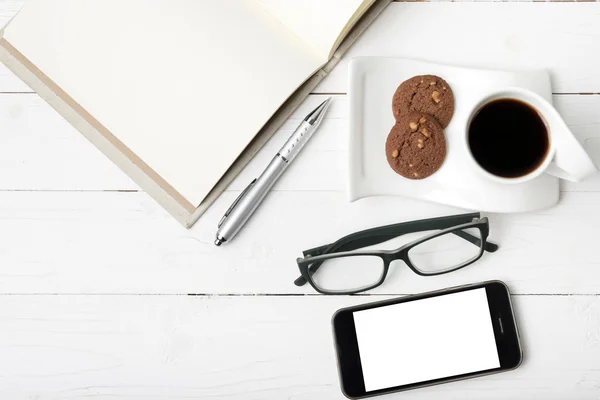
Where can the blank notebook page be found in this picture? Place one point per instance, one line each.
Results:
(318, 22)
(184, 84)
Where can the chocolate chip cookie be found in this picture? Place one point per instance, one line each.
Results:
(427, 94)
(416, 146)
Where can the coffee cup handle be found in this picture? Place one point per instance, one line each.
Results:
(571, 161)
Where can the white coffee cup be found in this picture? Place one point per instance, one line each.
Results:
(565, 157)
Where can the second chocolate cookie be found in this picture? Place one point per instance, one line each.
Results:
(416, 146)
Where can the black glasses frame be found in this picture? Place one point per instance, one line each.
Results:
(344, 247)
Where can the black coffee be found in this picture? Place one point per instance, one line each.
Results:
(508, 138)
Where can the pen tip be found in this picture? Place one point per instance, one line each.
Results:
(218, 242)
(315, 117)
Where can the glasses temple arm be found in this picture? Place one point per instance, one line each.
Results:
(489, 246)
(374, 236)
(317, 251)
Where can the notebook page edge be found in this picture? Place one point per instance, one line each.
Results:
(170, 199)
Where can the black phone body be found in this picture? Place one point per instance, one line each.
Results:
(426, 339)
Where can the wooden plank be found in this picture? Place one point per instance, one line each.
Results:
(41, 151)
(564, 38)
(581, 114)
(107, 242)
(178, 347)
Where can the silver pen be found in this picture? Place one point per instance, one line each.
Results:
(249, 200)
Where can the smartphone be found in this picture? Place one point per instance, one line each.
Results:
(426, 339)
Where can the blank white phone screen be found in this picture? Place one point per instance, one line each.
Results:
(426, 339)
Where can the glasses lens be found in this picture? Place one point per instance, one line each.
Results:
(346, 274)
(446, 252)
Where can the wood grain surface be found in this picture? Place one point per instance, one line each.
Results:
(103, 295)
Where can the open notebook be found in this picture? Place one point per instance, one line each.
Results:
(180, 93)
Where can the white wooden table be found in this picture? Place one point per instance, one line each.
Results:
(104, 296)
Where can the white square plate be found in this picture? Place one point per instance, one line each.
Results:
(372, 83)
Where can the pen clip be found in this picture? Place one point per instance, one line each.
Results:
(235, 203)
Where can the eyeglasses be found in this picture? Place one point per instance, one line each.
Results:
(442, 245)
